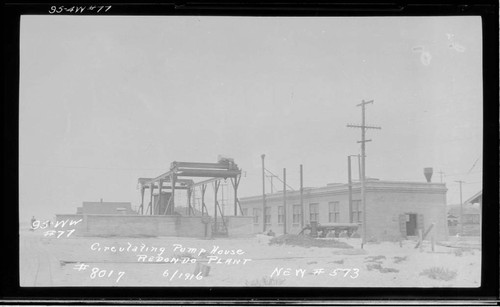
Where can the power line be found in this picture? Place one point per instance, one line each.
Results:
(277, 177)
(474, 164)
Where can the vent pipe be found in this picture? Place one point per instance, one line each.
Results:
(428, 173)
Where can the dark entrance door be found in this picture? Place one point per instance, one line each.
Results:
(411, 224)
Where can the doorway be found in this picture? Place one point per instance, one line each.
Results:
(411, 224)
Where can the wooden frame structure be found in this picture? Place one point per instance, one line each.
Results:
(175, 179)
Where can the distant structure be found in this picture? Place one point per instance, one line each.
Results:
(101, 207)
(472, 217)
(395, 210)
(161, 216)
(162, 189)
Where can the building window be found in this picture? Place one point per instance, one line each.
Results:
(334, 212)
(296, 214)
(313, 212)
(267, 215)
(256, 215)
(357, 216)
(281, 215)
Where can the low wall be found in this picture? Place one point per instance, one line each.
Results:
(71, 221)
(194, 226)
(134, 225)
(239, 225)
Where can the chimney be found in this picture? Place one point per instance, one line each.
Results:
(428, 173)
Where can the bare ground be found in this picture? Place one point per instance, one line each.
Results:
(49, 261)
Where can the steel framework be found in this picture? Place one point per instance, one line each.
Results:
(175, 179)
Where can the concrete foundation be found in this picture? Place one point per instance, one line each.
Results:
(147, 225)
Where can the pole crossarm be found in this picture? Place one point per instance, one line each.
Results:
(363, 126)
(364, 102)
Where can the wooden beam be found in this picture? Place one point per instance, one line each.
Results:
(152, 181)
(146, 182)
(208, 173)
(197, 165)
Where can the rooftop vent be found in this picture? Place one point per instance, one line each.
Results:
(428, 173)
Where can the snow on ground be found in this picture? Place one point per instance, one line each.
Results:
(51, 261)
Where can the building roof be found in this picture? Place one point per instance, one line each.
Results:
(371, 186)
(476, 198)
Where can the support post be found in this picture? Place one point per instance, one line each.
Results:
(203, 206)
(142, 199)
(363, 175)
(151, 188)
(173, 180)
(189, 201)
(216, 204)
(349, 180)
(236, 183)
(359, 168)
(461, 209)
(158, 203)
(263, 193)
(301, 197)
(284, 201)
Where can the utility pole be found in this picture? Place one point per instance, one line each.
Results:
(263, 193)
(349, 180)
(363, 166)
(284, 201)
(301, 198)
(461, 209)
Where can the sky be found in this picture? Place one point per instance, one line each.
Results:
(106, 100)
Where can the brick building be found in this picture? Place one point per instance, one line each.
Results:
(394, 209)
(100, 207)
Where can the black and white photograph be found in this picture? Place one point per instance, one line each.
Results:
(247, 151)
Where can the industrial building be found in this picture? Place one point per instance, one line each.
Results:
(395, 209)
(161, 216)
